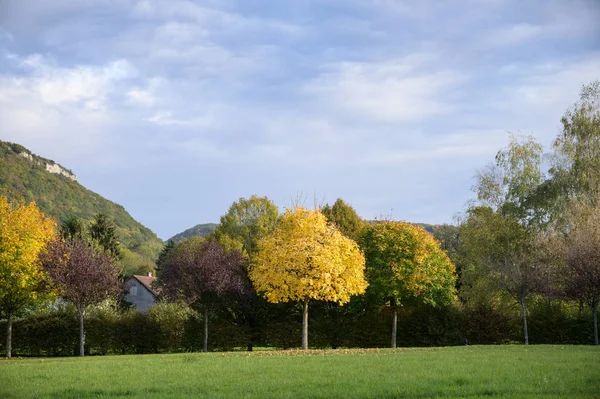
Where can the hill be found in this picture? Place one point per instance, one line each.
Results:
(57, 193)
(201, 230)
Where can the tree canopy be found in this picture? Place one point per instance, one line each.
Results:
(304, 259)
(246, 221)
(202, 273)
(82, 273)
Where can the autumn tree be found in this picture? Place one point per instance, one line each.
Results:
(24, 233)
(303, 259)
(405, 265)
(83, 275)
(202, 273)
(343, 216)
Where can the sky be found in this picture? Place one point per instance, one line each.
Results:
(176, 109)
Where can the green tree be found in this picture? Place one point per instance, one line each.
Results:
(344, 217)
(405, 265)
(164, 254)
(72, 227)
(576, 166)
(501, 228)
(103, 231)
(24, 233)
(246, 221)
(305, 259)
(240, 229)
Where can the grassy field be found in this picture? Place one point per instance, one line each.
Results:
(458, 372)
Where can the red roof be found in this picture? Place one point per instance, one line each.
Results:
(147, 281)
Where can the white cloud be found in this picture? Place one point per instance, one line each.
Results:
(515, 34)
(406, 89)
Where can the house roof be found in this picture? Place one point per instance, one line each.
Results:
(147, 281)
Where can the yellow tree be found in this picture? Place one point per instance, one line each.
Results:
(305, 259)
(24, 232)
(405, 265)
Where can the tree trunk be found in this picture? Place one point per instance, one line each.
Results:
(81, 334)
(205, 347)
(9, 322)
(394, 322)
(595, 312)
(524, 310)
(305, 326)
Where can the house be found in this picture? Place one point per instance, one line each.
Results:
(140, 292)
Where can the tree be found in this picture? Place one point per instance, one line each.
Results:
(576, 166)
(202, 273)
(501, 227)
(24, 233)
(405, 265)
(505, 256)
(104, 232)
(580, 255)
(72, 227)
(164, 254)
(83, 275)
(306, 259)
(246, 222)
(344, 217)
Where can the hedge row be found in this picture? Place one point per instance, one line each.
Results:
(173, 328)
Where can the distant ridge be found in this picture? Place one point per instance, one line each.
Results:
(200, 230)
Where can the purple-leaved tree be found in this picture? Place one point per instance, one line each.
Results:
(83, 275)
(203, 273)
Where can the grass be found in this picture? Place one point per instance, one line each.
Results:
(457, 372)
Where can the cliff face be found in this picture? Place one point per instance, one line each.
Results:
(50, 166)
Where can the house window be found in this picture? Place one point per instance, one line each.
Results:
(133, 291)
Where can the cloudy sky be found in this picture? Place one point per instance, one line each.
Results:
(175, 109)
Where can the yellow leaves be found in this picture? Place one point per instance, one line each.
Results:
(24, 232)
(305, 258)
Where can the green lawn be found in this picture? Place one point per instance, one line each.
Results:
(458, 372)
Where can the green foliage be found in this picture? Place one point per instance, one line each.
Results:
(406, 264)
(171, 319)
(576, 166)
(246, 222)
(103, 231)
(344, 217)
(62, 198)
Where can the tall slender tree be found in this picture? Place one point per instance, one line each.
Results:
(104, 232)
(344, 217)
(501, 226)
